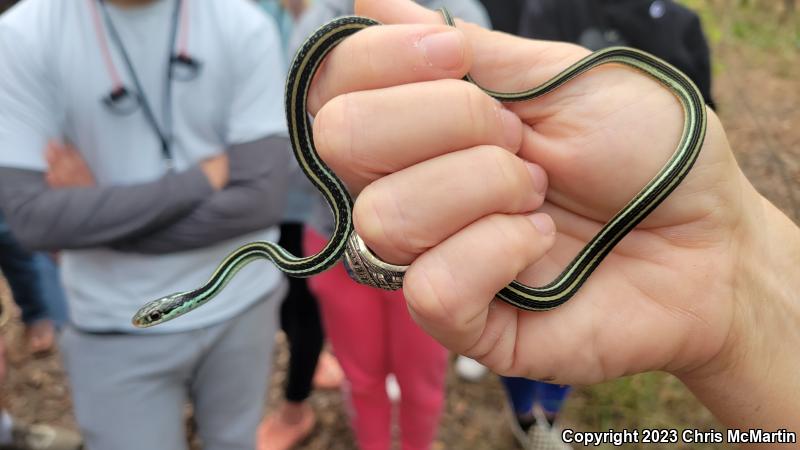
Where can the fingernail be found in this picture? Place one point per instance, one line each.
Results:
(543, 223)
(444, 50)
(512, 127)
(538, 175)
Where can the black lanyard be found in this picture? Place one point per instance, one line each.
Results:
(164, 134)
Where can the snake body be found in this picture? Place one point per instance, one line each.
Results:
(305, 65)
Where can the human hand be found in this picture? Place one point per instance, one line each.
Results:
(441, 175)
(217, 170)
(66, 167)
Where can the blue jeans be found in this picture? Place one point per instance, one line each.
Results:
(34, 280)
(55, 299)
(523, 393)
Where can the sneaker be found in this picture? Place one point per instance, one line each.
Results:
(543, 436)
(519, 426)
(43, 437)
(392, 388)
(469, 369)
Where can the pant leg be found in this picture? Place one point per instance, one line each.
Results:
(129, 391)
(21, 272)
(54, 297)
(420, 365)
(551, 396)
(355, 323)
(300, 320)
(230, 379)
(521, 392)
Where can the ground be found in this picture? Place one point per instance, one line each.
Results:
(756, 50)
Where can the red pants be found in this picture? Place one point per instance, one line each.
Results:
(372, 335)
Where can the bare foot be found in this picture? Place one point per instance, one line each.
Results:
(286, 427)
(329, 373)
(41, 336)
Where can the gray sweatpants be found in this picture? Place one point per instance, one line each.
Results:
(130, 391)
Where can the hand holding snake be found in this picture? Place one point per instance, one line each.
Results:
(705, 287)
(467, 191)
(453, 198)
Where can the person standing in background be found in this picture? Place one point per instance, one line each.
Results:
(51, 313)
(309, 364)
(41, 334)
(21, 271)
(504, 14)
(664, 28)
(36, 289)
(370, 330)
(535, 406)
(145, 140)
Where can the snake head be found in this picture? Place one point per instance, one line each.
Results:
(159, 311)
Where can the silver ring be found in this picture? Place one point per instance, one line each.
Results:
(366, 268)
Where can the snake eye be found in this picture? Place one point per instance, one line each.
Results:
(154, 316)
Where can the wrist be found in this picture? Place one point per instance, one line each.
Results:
(752, 381)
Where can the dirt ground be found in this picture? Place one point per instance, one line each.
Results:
(758, 94)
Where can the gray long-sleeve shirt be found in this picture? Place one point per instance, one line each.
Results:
(179, 211)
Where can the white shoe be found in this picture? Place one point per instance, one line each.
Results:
(469, 369)
(543, 436)
(392, 388)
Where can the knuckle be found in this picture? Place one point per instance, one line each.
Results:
(430, 294)
(514, 233)
(511, 179)
(522, 235)
(367, 216)
(381, 220)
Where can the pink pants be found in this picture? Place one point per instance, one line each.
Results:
(372, 335)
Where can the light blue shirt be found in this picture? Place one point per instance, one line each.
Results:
(52, 79)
